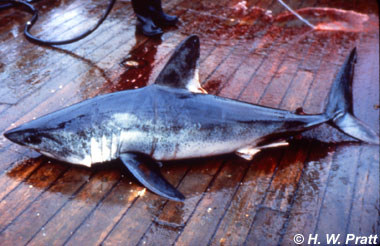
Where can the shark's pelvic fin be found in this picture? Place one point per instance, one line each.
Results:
(181, 71)
(339, 108)
(249, 152)
(146, 170)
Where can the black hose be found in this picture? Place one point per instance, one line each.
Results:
(30, 23)
(5, 6)
(9, 5)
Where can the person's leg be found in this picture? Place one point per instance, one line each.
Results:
(151, 15)
(143, 14)
(159, 17)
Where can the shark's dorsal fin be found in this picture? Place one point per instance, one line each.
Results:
(181, 71)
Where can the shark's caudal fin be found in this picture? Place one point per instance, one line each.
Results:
(181, 71)
(339, 107)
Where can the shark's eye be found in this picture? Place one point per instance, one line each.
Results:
(32, 139)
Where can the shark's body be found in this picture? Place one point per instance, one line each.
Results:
(170, 120)
(165, 124)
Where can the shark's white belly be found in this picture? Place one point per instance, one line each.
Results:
(193, 143)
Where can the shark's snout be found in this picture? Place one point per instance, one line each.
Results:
(15, 135)
(23, 135)
(28, 133)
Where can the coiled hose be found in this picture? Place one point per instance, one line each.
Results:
(30, 8)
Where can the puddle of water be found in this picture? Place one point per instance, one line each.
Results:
(330, 19)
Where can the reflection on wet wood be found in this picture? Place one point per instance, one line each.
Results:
(250, 51)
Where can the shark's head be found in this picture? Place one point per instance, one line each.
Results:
(49, 139)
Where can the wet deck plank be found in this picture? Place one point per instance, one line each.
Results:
(250, 54)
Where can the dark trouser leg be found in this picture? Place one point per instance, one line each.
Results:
(159, 16)
(150, 14)
(143, 13)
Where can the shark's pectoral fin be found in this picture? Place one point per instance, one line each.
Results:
(248, 152)
(147, 172)
(181, 71)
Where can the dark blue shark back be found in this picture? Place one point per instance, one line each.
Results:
(213, 110)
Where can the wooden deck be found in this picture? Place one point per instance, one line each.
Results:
(323, 183)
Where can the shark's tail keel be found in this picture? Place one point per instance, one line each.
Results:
(339, 107)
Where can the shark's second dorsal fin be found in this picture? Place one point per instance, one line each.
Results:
(181, 71)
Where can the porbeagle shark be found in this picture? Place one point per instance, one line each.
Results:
(175, 118)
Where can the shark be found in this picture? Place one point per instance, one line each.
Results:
(174, 118)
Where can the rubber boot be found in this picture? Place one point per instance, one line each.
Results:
(144, 15)
(158, 15)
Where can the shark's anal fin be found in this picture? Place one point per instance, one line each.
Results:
(248, 152)
(181, 71)
(146, 171)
